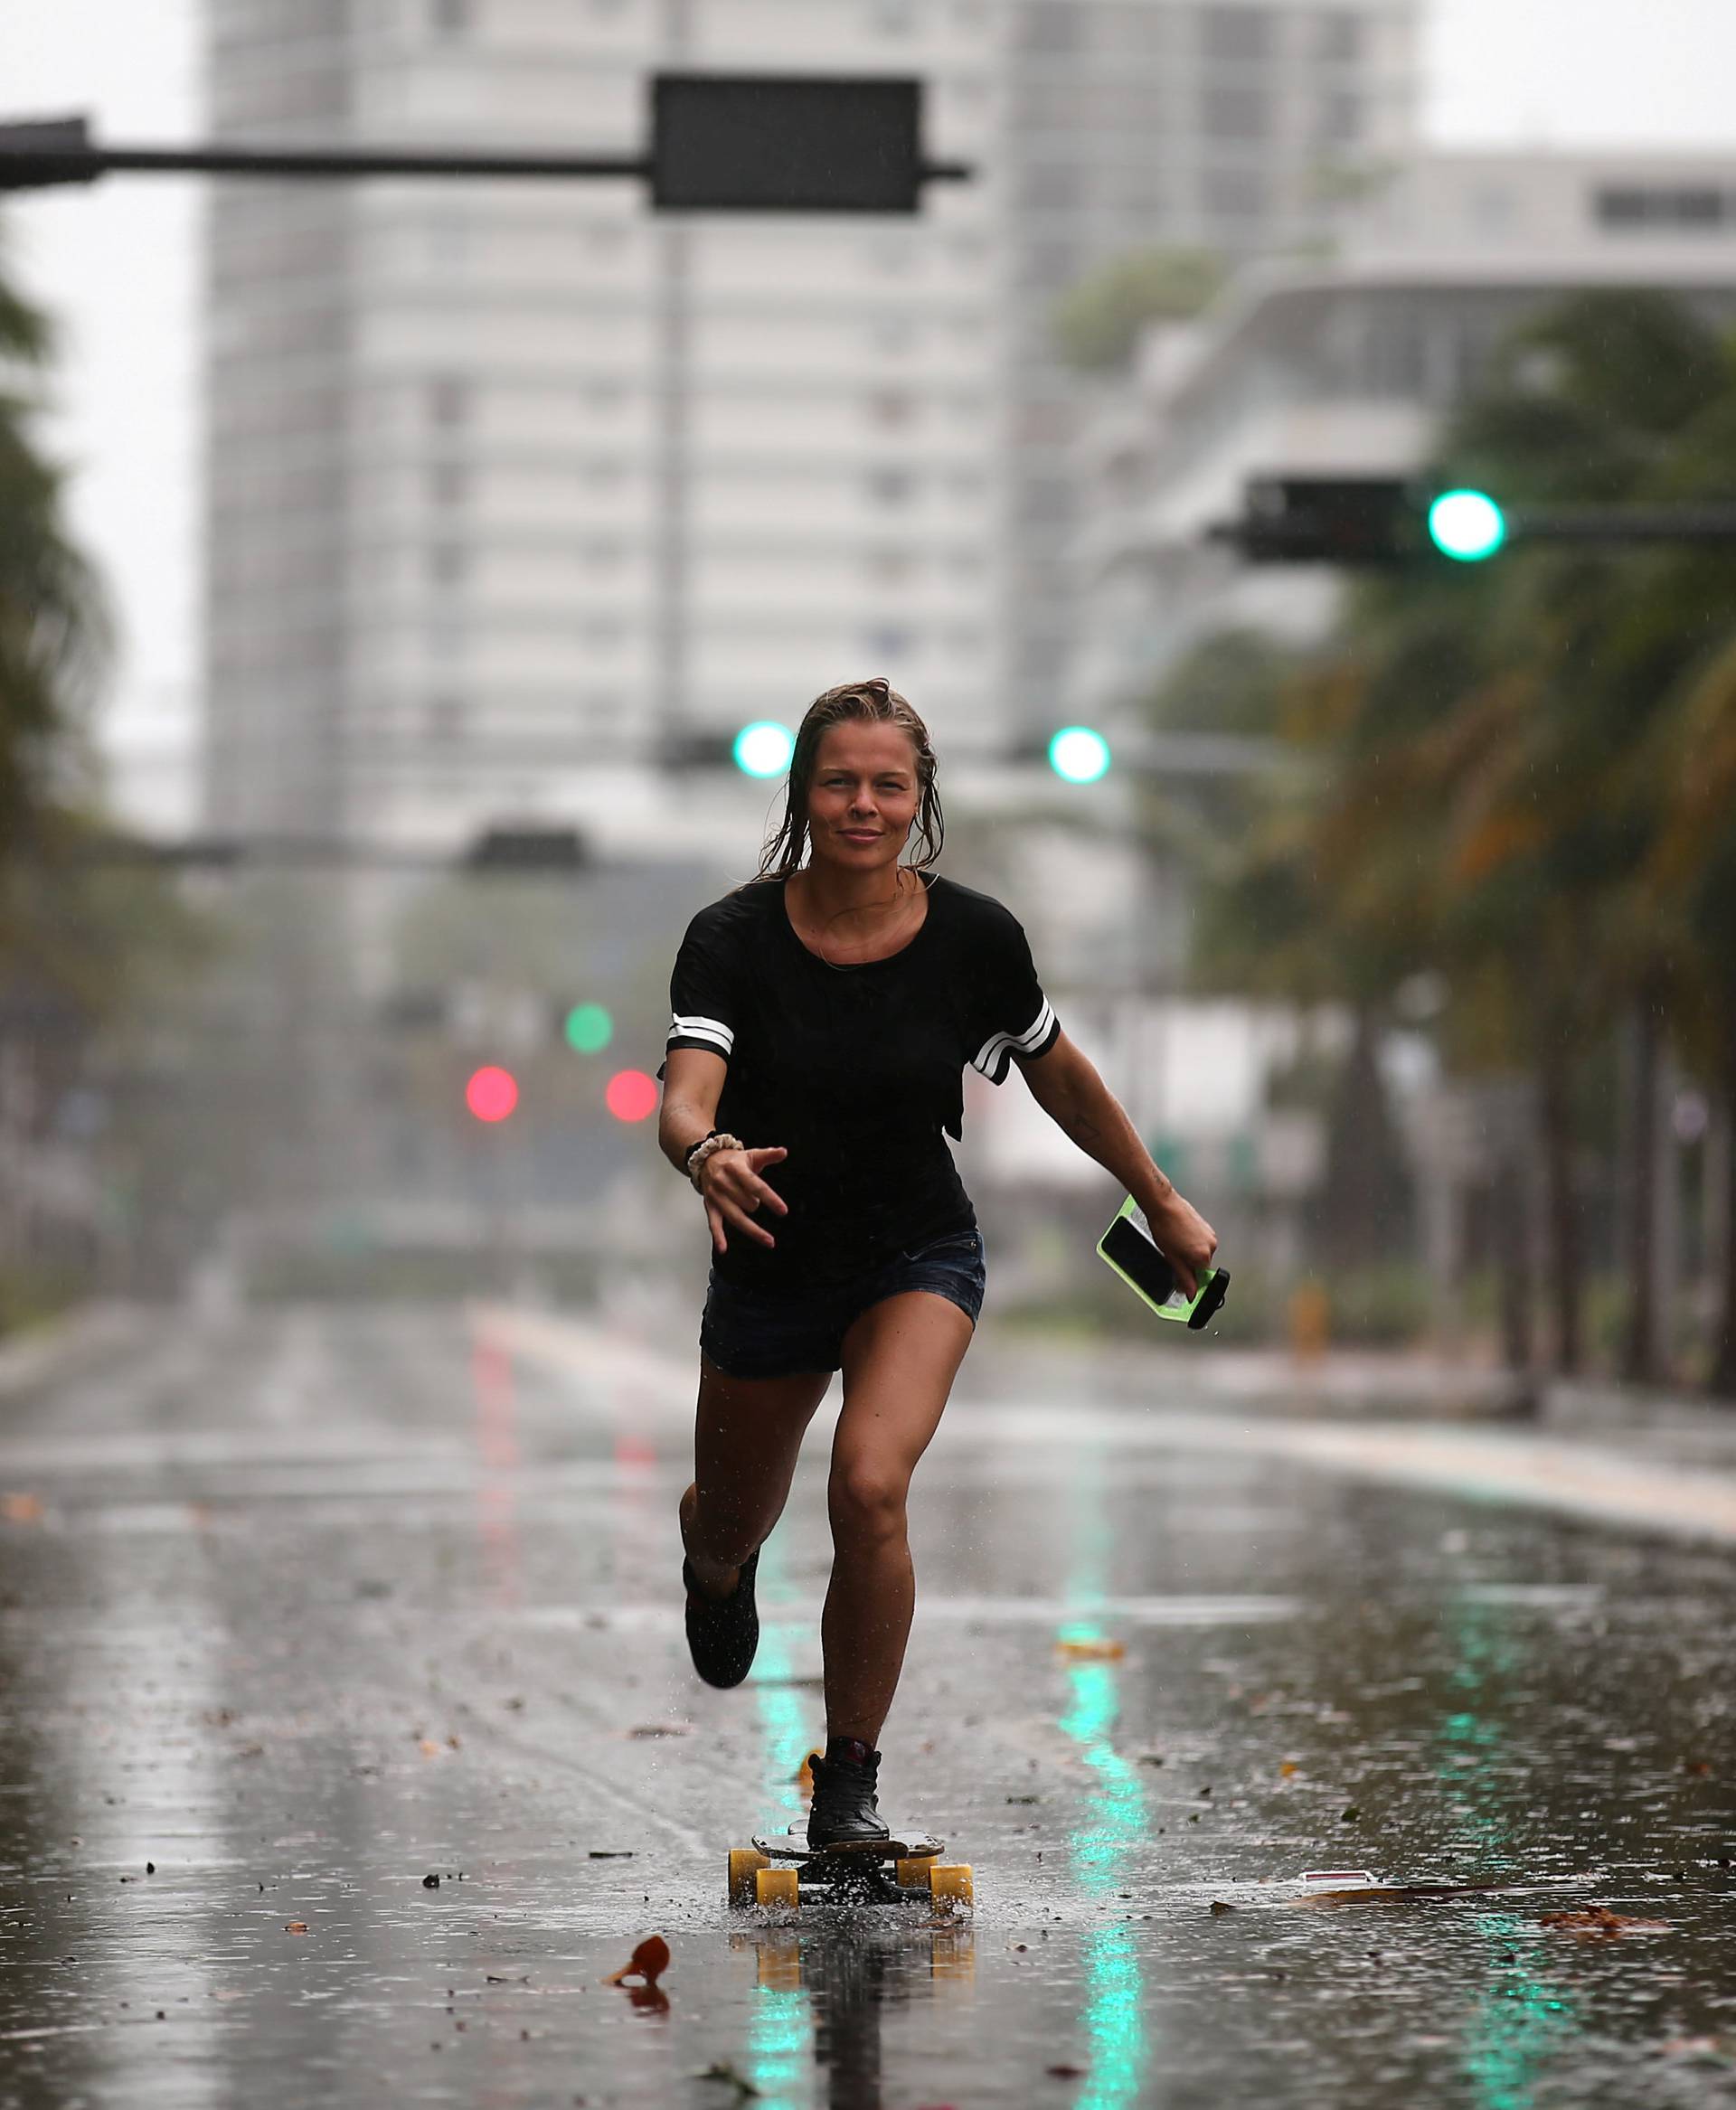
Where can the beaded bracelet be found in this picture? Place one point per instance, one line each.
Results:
(709, 1148)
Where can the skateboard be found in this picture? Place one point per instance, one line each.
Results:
(905, 1868)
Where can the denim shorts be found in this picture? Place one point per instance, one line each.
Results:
(774, 1333)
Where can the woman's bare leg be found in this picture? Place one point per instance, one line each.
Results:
(747, 1436)
(899, 1359)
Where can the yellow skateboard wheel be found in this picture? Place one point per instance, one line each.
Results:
(776, 1887)
(949, 1884)
(745, 1863)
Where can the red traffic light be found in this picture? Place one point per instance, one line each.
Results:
(631, 1095)
(492, 1093)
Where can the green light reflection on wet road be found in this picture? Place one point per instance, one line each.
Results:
(1114, 2016)
(780, 2029)
(1517, 2021)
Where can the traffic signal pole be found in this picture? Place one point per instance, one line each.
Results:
(719, 143)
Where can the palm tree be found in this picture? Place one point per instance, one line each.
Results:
(54, 627)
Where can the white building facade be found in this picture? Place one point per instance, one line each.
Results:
(509, 482)
(1348, 367)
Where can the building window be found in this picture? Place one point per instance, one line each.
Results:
(891, 487)
(448, 483)
(448, 400)
(448, 564)
(1670, 207)
(1234, 194)
(452, 18)
(1338, 118)
(1338, 40)
(1052, 25)
(445, 719)
(889, 641)
(1236, 113)
(1053, 189)
(890, 409)
(891, 568)
(1240, 36)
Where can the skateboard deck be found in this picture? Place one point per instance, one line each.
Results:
(902, 1842)
(903, 1867)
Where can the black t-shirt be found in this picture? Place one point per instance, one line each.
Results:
(855, 1071)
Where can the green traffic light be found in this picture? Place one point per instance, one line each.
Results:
(1078, 754)
(1466, 525)
(588, 1029)
(764, 747)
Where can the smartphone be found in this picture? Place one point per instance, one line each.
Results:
(1130, 1249)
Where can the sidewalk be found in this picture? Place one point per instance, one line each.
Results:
(81, 1341)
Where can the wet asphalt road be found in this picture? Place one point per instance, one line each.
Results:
(301, 1608)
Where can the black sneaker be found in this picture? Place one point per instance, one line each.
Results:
(723, 1633)
(842, 1813)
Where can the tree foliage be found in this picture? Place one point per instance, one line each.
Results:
(1097, 322)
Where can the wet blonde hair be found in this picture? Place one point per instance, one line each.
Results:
(873, 702)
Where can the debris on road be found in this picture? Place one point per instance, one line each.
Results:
(1090, 1652)
(650, 1961)
(1597, 1920)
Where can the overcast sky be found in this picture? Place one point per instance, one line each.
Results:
(117, 263)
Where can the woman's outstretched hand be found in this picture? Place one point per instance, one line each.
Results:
(731, 1186)
(1184, 1238)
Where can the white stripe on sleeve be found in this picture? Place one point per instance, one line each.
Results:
(993, 1057)
(711, 1029)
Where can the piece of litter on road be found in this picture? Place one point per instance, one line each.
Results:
(295, 1926)
(650, 1961)
(721, 2070)
(612, 1852)
(1597, 1920)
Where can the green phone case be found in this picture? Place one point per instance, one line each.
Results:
(1128, 1247)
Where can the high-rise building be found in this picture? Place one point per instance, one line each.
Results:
(509, 482)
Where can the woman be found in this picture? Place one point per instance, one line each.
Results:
(823, 1014)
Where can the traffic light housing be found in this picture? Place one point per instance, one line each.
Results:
(1362, 521)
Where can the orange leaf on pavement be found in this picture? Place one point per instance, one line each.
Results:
(650, 1961)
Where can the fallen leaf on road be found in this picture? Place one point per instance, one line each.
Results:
(721, 2070)
(1597, 1920)
(650, 1960)
(22, 1509)
(1288, 1769)
(295, 1926)
(1090, 1652)
(430, 1749)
